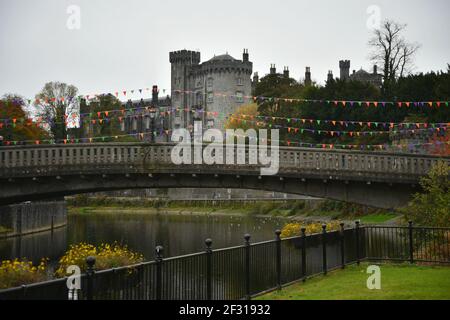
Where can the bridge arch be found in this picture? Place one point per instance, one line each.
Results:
(377, 179)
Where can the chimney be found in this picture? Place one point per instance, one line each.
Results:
(286, 72)
(308, 81)
(375, 69)
(245, 56)
(273, 69)
(330, 76)
(155, 92)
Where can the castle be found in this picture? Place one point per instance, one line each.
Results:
(361, 75)
(207, 91)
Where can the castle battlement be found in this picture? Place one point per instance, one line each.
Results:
(184, 57)
(344, 64)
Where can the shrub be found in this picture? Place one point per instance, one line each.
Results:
(107, 256)
(431, 207)
(14, 273)
(294, 229)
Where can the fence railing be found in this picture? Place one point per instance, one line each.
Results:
(244, 271)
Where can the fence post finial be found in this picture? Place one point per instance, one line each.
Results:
(278, 234)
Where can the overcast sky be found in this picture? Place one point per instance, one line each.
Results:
(124, 45)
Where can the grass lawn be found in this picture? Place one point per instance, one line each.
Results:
(398, 282)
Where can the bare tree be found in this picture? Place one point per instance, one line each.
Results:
(392, 51)
(54, 105)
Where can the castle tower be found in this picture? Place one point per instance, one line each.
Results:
(286, 72)
(330, 76)
(182, 63)
(344, 67)
(308, 81)
(255, 82)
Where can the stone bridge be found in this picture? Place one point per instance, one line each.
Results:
(378, 179)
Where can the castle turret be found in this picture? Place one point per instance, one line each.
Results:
(344, 67)
(308, 81)
(286, 72)
(273, 69)
(375, 69)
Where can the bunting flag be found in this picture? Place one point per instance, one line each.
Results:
(259, 99)
(169, 111)
(287, 142)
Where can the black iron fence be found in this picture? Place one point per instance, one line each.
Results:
(244, 271)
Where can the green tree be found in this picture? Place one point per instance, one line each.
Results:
(431, 207)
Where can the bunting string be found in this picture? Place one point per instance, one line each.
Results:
(105, 116)
(287, 142)
(257, 99)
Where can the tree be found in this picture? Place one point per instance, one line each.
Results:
(101, 118)
(244, 118)
(431, 208)
(391, 50)
(16, 125)
(55, 103)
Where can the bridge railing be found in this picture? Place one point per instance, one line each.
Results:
(248, 270)
(137, 153)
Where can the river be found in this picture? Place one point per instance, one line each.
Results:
(141, 232)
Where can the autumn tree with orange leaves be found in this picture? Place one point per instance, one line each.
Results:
(16, 126)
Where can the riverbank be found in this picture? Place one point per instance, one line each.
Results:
(290, 210)
(31, 217)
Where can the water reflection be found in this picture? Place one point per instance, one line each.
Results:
(49, 244)
(179, 234)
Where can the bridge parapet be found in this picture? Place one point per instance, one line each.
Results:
(58, 159)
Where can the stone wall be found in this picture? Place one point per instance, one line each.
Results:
(31, 217)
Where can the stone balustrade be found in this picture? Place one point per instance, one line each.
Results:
(70, 157)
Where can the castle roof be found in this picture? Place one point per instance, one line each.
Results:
(361, 72)
(222, 57)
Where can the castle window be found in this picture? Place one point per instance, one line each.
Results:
(199, 82)
(239, 96)
(210, 97)
(199, 99)
(239, 82)
(210, 82)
